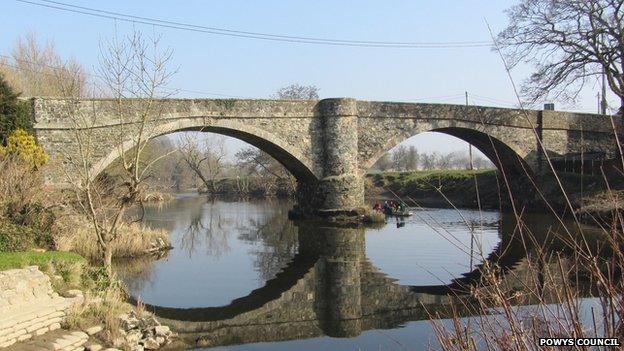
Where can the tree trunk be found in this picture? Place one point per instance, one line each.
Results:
(213, 186)
(107, 260)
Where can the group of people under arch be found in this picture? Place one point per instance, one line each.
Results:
(390, 207)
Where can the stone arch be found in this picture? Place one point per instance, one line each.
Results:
(505, 156)
(293, 159)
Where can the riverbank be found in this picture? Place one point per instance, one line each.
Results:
(439, 188)
(252, 187)
(56, 298)
(593, 200)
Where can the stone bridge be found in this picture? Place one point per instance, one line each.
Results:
(330, 288)
(327, 145)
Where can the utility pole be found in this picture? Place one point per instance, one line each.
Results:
(603, 104)
(598, 103)
(469, 145)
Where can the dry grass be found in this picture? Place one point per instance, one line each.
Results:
(19, 185)
(157, 197)
(542, 302)
(64, 275)
(134, 239)
(374, 217)
(100, 308)
(559, 277)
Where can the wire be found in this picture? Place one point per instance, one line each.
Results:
(266, 34)
(488, 102)
(444, 97)
(250, 35)
(486, 98)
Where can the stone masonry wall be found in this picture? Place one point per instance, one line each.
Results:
(28, 305)
(290, 131)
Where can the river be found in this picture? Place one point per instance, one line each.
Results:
(250, 279)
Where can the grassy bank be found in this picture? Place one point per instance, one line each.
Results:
(9, 260)
(589, 195)
(439, 188)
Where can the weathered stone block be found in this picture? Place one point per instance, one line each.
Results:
(94, 330)
(24, 337)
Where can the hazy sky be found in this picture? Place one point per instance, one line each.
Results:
(257, 68)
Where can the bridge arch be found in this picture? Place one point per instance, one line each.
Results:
(293, 159)
(507, 157)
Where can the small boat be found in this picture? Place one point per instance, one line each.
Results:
(397, 213)
(404, 213)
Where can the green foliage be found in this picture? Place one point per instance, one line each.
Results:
(427, 179)
(96, 278)
(17, 237)
(9, 260)
(457, 186)
(23, 145)
(26, 227)
(14, 114)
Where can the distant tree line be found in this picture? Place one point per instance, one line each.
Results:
(404, 158)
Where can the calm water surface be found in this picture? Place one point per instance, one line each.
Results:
(309, 287)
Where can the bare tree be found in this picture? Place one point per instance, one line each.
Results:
(481, 162)
(411, 159)
(429, 161)
(133, 67)
(258, 162)
(37, 70)
(204, 156)
(384, 163)
(570, 42)
(399, 158)
(298, 92)
(266, 171)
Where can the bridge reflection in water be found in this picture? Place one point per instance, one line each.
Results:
(330, 288)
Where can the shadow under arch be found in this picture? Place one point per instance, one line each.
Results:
(293, 159)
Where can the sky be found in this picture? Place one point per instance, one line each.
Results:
(242, 67)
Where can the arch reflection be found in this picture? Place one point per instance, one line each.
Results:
(331, 288)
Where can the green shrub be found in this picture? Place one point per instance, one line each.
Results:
(23, 146)
(15, 237)
(14, 114)
(18, 237)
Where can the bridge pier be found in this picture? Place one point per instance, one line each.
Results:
(340, 192)
(340, 283)
(341, 188)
